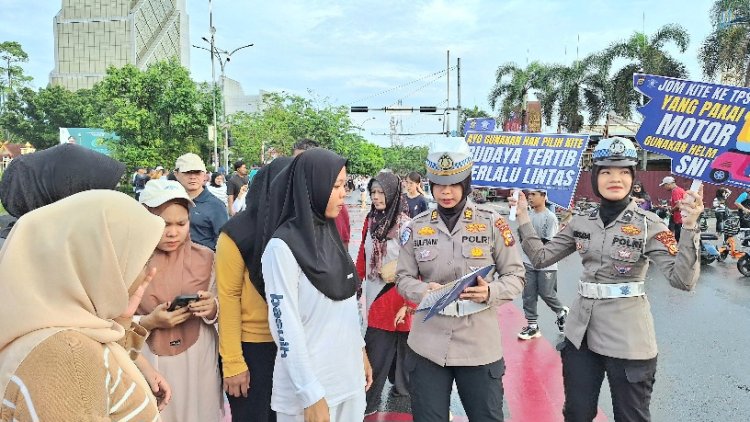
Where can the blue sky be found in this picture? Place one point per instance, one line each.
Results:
(346, 52)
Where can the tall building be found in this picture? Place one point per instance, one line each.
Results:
(91, 35)
(236, 100)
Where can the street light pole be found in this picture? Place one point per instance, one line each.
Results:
(213, 83)
(223, 57)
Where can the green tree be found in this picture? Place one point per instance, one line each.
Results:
(644, 54)
(581, 86)
(36, 116)
(286, 118)
(405, 159)
(727, 49)
(11, 53)
(159, 113)
(513, 85)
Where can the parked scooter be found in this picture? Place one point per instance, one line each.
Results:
(709, 252)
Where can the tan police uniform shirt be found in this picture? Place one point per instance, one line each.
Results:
(433, 254)
(622, 327)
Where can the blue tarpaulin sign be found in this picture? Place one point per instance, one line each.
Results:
(528, 161)
(483, 124)
(702, 127)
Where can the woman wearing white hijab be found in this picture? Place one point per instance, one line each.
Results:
(69, 271)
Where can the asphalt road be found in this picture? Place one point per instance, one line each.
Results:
(703, 372)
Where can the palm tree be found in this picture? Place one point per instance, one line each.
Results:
(584, 85)
(513, 84)
(727, 50)
(645, 55)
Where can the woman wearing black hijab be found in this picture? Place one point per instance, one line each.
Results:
(34, 180)
(321, 367)
(245, 344)
(610, 329)
(462, 343)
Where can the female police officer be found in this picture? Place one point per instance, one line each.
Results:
(610, 328)
(455, 239)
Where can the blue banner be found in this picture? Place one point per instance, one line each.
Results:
(528, 161)
(91, 138)
(483, 124)
(702, 127)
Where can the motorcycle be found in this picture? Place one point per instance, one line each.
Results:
(709, 252)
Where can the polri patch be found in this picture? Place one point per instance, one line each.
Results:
(468, 214)
(477, 252)
(505, 230)
(630, 229)
(623, 270)
(667, 238)
(476, 227)
(426, 231)
(405, 235)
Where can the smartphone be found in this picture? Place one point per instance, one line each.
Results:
(181, 301)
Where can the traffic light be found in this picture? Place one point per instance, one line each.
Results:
(230, 139)
(360, 109)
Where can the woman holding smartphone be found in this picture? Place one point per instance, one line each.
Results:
(182, 343)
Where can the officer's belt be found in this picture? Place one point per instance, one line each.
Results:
(611, 291)
(462, 308)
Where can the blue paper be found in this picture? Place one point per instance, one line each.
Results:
(704, 128)
(469, 280)
(528, 160)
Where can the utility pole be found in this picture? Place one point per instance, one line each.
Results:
(459, 128)
(213, 83)
(448, 93)
(224, 57)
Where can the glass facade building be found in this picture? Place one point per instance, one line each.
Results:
(91, 35)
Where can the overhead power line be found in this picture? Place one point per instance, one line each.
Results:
(401, 86)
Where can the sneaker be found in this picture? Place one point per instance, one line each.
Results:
(560, 321)
(529, 332)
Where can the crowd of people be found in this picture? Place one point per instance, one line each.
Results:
(160, 307)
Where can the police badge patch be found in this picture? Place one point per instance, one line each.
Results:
(445, 162)
(667, 238)
(476, 227)
(434, 216)
(631, 230)
(426, 231)
(468, 213)
(504, 228)
(405, 235)
(477, 252)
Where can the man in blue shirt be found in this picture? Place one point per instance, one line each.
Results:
(209, 214)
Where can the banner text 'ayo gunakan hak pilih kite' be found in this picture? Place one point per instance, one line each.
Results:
(528, 161)
(702, 127)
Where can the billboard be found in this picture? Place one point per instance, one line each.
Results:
(703, 127)
(91, 138)
(528, 160)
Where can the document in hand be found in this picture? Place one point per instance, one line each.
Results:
(438, 299)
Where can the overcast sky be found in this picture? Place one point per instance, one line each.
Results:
(348, 52)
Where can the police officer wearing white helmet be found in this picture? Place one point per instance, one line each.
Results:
(462, 343)
(610, 329)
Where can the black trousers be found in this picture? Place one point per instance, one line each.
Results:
(480, 389)
(256, 407)
(387, 352)
(630, 382)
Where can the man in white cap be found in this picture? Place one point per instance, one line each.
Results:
(209, 214)
(678, 194)
(540, 282)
